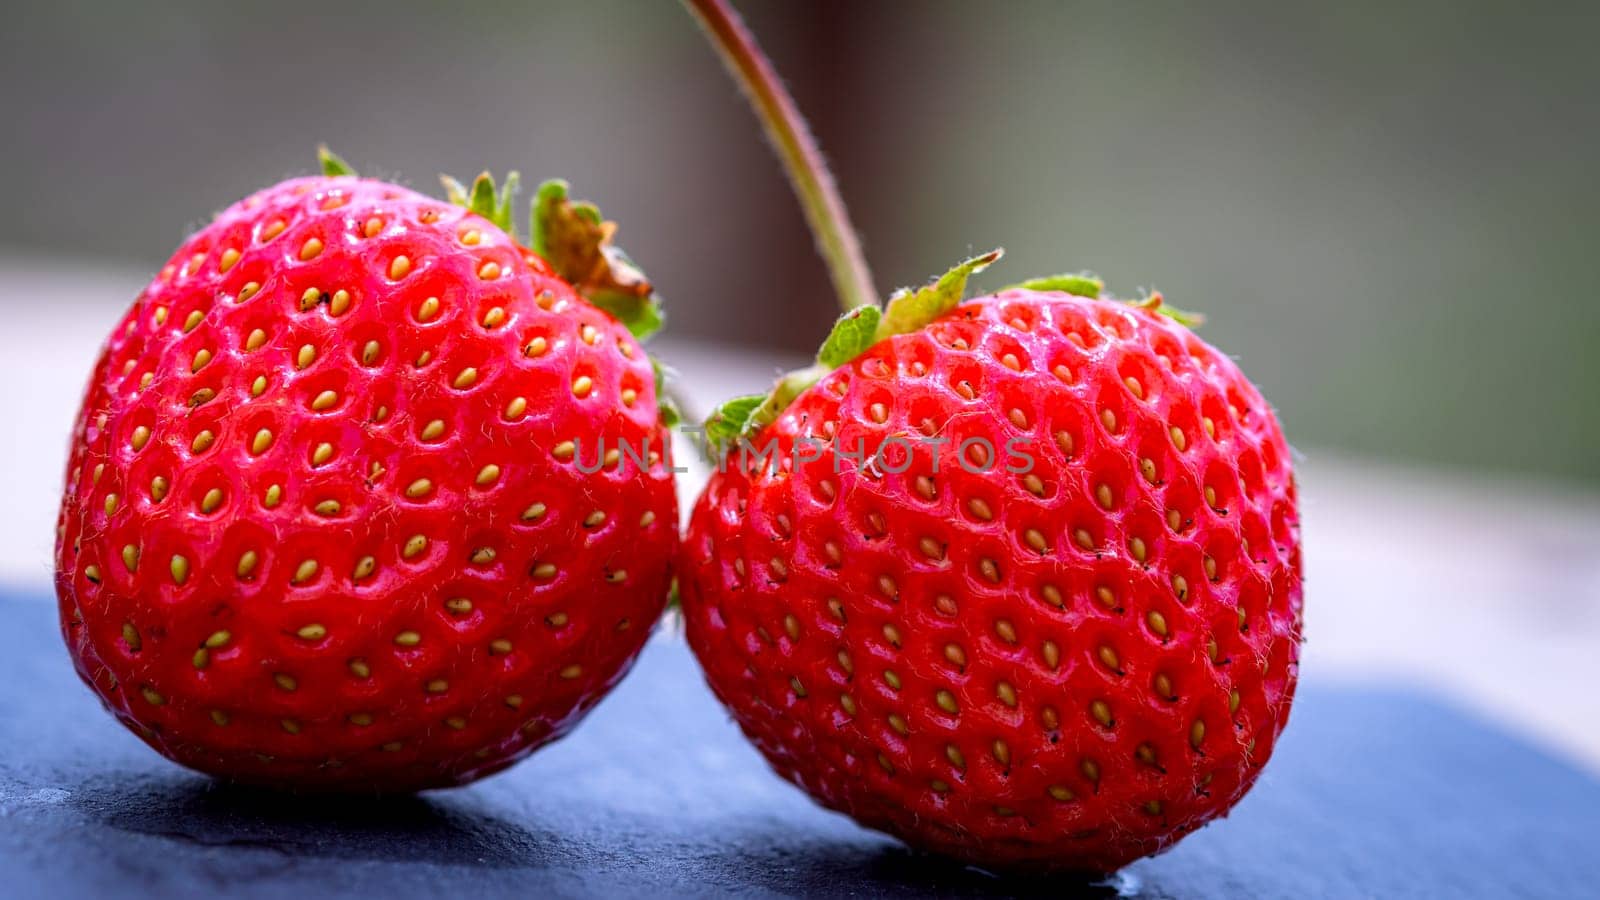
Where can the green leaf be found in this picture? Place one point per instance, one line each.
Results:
(1082, 284)
(909, 310)
(332, 164)
(576, 241)
(855, 331)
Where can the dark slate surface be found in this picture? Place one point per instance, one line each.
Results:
(1373, 793)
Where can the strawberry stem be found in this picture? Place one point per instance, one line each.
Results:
(796, 148)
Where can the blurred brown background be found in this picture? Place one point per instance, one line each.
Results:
(1387, 210)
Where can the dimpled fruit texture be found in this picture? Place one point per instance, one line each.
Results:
(324, 524)
(1064, 668)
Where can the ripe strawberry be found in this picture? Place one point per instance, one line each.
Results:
(1061, 640)
(325, 524)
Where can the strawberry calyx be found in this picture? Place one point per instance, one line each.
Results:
(332, 164)
(1088, 284)
(487, 199)
(853, 334)
(1082, 284)
(574, 239)
(908, 310)
(571, 235)
(1156, 303)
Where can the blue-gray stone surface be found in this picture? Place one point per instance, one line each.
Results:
(1372, 793)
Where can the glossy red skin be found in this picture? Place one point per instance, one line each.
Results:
(459, 703)
(765, 555)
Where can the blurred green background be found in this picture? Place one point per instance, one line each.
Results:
(1386, 210)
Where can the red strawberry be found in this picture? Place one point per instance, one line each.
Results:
(1061, 640)
(325, 524)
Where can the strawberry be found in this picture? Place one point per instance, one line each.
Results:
(333, 517)
(1017, 579)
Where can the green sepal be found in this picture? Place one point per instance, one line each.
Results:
(853, 334)
(1082, 284)
(790, 386)
(482, 199)
(909, 310)
(486, 198)
(855, 331)
(504, 200)
(744, 417)
(668, 410)
(1087, 284)
(726, 424)
(576, 241)
(332, 164)
(666, 406)
(454, 191)
(1158, 304)
(548, 204)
